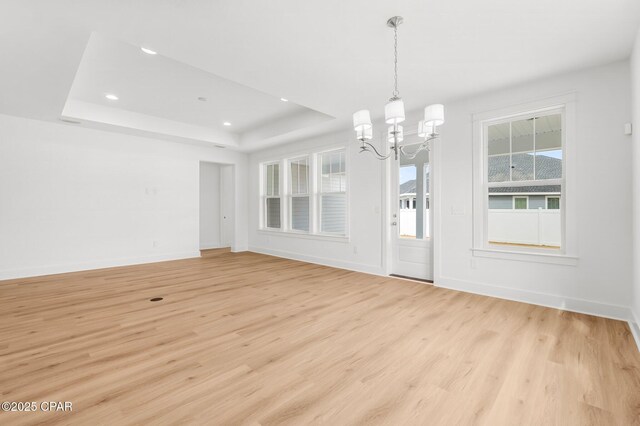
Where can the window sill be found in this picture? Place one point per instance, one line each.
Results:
(304, 235)
(552, 258)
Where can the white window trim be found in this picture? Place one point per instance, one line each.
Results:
(546, 201)
(304, 235)
(314, 205)
(264, 196)
(290, 196)
(318, 194)
(568, 254)
(513, 202)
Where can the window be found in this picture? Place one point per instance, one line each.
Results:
(299, 194)
(524, 160)
(332, 193)
(520, 203)
(271, 196)
(306, 194)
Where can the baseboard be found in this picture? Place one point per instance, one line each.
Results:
(209, 246)
(621, 313)
(352, 266)
(581, 306)
(98, 264)
(634, 325)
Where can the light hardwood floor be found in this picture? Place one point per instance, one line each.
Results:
(252, 339)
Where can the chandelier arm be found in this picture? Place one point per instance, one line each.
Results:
(375, 155)
(372, 149)
(414, 154)
(423, 146)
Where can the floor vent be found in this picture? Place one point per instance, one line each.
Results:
(156, 299)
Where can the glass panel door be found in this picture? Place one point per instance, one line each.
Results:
(411, 221)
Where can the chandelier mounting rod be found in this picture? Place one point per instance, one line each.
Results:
(395, 23)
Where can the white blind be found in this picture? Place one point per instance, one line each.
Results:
(272, 193)
(273, 212)
(333, 187)
(300, 213)
(333, 213)
(299, 194)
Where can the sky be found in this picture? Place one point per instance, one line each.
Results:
(407, 173)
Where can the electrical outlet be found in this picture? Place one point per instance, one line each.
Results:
(155, 243)
(474, 263)
(355, 249)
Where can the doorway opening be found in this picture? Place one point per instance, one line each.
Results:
(217, 199)
(410, 202)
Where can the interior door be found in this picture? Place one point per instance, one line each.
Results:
(411, 221)
(227, 190)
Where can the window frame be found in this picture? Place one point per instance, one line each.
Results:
(319, 193)
(314, 171)
(548, 197)
(290, 195)
(264, 193)
(568, 253)
(513, 203)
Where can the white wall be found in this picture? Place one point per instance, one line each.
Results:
(210, 206)
(73, 198)
(602, 166)
(635, 85)
(600, 283)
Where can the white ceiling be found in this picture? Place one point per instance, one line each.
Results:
(329, 57)
(162, 96)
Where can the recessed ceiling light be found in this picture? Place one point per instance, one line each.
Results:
(111, 96)
(284, 100)
(226, 123)
(148, 51)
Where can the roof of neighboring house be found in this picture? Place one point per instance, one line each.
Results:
(546, 168)
(409, 187)
(542, 189)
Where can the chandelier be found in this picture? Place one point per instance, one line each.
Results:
(394, 115)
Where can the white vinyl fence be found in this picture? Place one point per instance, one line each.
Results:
(536, 227)
(408, 222)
